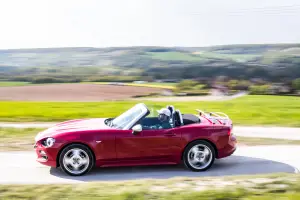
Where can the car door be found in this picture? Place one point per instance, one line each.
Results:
(128, 145)
(161, 144)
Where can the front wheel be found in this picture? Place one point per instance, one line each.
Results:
(76, 160)
(199, 156)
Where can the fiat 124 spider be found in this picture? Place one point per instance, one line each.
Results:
(135, 139)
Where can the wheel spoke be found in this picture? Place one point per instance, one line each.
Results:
(69, 161)
(206, 152)
(76, 166)
(76, 152)
(194, 150)
(84, 161)
(194, 161)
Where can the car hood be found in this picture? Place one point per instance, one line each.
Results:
(73, 126)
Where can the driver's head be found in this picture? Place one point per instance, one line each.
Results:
(164, 114)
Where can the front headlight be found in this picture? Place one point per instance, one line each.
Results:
(49, 142)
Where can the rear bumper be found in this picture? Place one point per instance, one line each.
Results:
(229, 149)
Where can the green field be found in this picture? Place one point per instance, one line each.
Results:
(12, 83)
(258, 187)
(248, 110)
(16, 139)
(174, 56)
(234, 57)
(199, 56)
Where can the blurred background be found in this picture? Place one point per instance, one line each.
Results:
(227, 46)
(70, 59)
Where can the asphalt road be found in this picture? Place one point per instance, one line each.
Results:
(21, 167)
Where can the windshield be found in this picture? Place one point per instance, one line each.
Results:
(131, 116)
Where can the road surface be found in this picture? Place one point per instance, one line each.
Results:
(244, 131)
(21, 167)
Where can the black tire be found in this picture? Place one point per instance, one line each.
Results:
(193, 144)
(83, 148)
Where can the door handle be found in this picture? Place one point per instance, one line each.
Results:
(170, 134)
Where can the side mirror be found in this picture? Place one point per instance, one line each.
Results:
(137, 129)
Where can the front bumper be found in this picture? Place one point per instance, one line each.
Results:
(46, 156)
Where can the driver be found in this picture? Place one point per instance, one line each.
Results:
(164, 115)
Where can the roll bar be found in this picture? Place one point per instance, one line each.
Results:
(221, 117)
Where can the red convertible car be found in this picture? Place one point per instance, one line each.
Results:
(135, 138)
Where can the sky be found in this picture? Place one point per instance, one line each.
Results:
(107, 23)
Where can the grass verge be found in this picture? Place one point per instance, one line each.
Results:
(278, 186)
(13, 83)
(249, 141)
(248, 110)
(15, 139)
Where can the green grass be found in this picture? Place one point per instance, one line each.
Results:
(15, 139)
(12, 83)
(18, 132)
(276, 186)
(198, 56)
(252, 141)
(175, 56)
(248, 110)
(234, 57)
(271, 57)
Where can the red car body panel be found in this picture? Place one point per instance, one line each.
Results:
(114, 147)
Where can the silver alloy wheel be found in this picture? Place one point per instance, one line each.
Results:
(76, 161)
(200, 156)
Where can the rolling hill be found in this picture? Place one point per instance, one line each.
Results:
(266, 60)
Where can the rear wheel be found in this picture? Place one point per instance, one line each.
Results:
(76, 159)
(199, 156)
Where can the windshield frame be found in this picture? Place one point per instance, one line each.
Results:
(143, 111)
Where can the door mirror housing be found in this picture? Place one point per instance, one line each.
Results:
(137, 129)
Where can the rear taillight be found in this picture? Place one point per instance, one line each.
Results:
(229, 132)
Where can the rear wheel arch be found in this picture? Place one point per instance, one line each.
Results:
(66, 145)
(200, 139)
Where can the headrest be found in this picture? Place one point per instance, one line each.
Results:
(171, 108)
